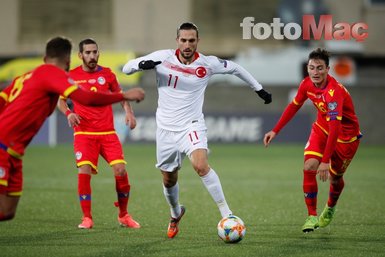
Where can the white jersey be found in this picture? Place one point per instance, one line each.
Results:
(181, 87)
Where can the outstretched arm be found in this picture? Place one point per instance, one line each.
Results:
(230, 67)
(146, 62)
(286, 116)
(100, 99)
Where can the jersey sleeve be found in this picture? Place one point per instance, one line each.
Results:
(114, 84)
(132, 66)
(292, 108)
(56, 80)
(220, 66)
(4, 95)
(301, 95)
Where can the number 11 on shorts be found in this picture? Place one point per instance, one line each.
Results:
(194, 137)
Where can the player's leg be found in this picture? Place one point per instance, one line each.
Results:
(210, 180)
(122, 186)
(169, 160)
(111, 150)
(11, 184)
(310, 187)
(87, 153)
(84, 192)
(171, 193)
(310, 190)
(340, 161)
(8, 205)
(312, 157)
(195, 145)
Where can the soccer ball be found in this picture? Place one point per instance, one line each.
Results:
(231, 229)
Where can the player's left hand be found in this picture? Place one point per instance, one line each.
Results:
(268, 137)
(323, 171)
(73, 119)
(148, 65)
(130, 120)
(264, 95)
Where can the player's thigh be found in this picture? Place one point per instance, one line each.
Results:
(111, 149)
(194, 144)
(11, 175)
(314, 148)
(87, 149)
(342, 157)
(169, 158)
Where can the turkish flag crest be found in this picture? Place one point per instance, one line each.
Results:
(200, 72)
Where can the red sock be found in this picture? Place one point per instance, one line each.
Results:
(310, 190)
(4, 217)
(84, 191)
(123, 192)
(335, 191)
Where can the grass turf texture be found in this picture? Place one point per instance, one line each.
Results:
(262, 186)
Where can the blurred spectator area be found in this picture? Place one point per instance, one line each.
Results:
(129, 28)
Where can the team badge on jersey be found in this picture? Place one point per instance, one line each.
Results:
(2, 172)
(200, 72)
(101, 80)
(78, 155)
(332, 106)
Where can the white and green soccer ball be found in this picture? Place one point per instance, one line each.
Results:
(231, 229)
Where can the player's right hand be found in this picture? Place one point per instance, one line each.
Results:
(134, 94)
(268, 137)
(73, 119)
(148, 65)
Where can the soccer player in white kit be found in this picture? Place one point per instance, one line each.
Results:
(182, 76)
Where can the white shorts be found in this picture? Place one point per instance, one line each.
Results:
(172, 147)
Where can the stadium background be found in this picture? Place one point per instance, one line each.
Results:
(125, 29)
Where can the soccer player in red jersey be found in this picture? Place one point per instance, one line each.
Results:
(94, 133)
(33, 97)
(333, 140)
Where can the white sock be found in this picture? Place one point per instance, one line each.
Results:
(172, 196)
(213, 185)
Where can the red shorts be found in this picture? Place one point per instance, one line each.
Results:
(341, 157)
(88, 147)
(11, 174)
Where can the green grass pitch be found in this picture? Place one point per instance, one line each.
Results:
(262, 186)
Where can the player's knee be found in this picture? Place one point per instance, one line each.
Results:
(169, 182)
(170, 179)
(336, 180)
(119, 170)
(202, 169)
(311, 164)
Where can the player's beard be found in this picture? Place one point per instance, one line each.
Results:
(92, 64)
(187, 55)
